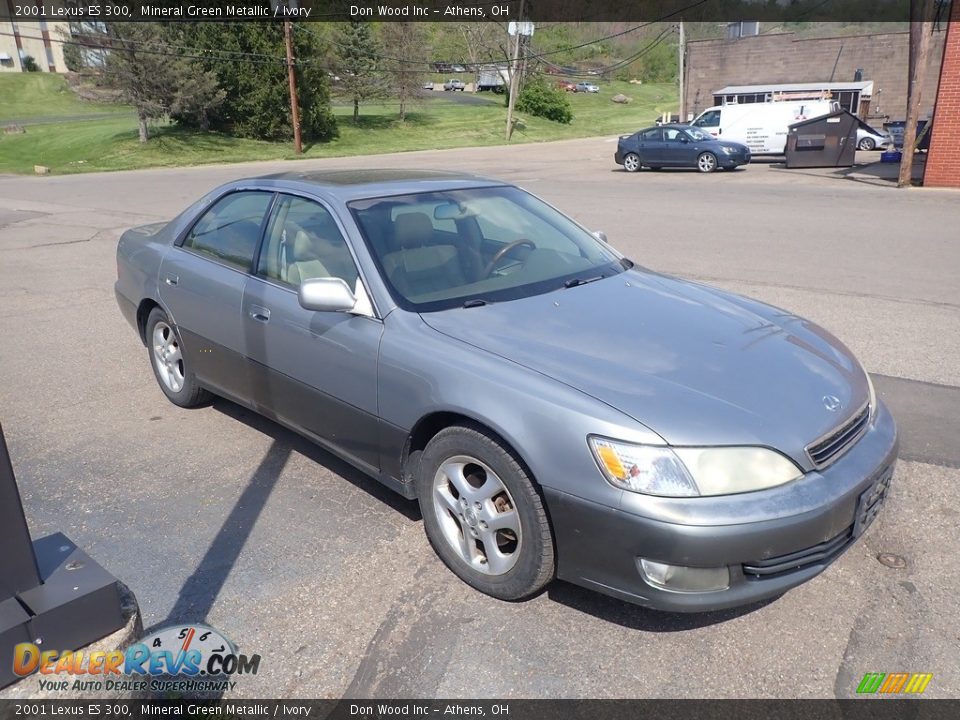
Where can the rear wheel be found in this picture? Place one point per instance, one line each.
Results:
(867, 143)
(483, 515)
(631, 162)
(707, 162)
(169, 366)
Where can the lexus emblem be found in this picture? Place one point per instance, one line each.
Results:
(831, 403)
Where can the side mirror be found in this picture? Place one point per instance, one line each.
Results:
(326, 295)
(601, 236)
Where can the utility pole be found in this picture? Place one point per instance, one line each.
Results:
(921, 36)
(683, 53)
(292, 77)
(515, 72)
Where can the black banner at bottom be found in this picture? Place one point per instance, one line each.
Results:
(866, 708)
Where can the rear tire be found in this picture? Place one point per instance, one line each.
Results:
(483, 514)
(169, 366)
(631, 162)
(867, 144)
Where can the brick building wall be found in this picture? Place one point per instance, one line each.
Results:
(943, 157)
(785, 58)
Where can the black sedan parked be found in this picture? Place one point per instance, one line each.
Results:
(678, 146)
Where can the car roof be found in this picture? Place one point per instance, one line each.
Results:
(353, 184)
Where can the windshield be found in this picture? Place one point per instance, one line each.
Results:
(698, 135)
(445, 249)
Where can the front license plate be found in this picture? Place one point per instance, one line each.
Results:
(870, 502)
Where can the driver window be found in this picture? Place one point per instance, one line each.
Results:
(303, 242)
(711, 118)
(672, 135)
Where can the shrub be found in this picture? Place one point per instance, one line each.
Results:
(538, 98)
(29, 64)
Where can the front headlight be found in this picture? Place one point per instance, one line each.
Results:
(689, 472)
(729, 150)
(872, 393)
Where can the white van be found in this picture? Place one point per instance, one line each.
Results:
(762, 127)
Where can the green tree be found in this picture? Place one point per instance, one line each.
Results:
(248, 61)
(140, 67)
(540, 99)
(406, 41)
(358, 64)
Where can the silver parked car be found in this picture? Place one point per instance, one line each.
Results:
(870, 139)
(557, 410)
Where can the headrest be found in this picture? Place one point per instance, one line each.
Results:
(412, 230)
(304, 246)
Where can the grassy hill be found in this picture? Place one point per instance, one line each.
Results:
(439, 120)
(45, 95)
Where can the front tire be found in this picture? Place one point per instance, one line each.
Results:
(706, 162)
(867, 144)
(631, 162)
(169, 366)
(483, 515)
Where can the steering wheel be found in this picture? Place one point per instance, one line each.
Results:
(499, 255)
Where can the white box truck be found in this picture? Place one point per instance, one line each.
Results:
(762, 127)
(493, 78)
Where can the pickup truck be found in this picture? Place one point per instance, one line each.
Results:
(454, 84)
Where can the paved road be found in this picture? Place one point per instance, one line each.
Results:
(217, 515)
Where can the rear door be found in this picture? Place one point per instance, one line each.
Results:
(202, 279)
(650, 144)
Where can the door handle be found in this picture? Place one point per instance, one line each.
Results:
(171, 279)
(260, 314)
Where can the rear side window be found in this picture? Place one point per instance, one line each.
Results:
(228, 231)
(651, 135)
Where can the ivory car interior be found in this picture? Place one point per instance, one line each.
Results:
(557, 410)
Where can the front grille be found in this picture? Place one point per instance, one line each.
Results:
(831, 447)
(820, 554)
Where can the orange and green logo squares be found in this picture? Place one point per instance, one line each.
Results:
(894, 683)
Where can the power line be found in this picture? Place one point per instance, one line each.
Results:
(147, 51)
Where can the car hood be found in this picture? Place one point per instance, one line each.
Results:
(694, 364)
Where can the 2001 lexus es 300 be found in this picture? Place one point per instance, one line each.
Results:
(557, 410)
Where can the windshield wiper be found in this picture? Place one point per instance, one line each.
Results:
(574, 282)
(476, 302)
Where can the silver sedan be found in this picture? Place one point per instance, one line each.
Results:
(556, 409)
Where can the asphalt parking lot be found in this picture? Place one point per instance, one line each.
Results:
(217, 516)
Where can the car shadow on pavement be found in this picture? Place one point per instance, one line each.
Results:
(199, 593)
(635, 617)
(292, 441)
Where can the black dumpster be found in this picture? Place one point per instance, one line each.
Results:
(824, 141)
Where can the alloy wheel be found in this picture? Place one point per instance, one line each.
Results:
(477, 515)
(167, 357)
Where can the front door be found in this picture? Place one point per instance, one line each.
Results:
(316, 371)
(678, 149)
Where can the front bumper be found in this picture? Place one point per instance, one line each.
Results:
(732, 161)
(769, 553)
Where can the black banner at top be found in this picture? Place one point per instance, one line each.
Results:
(640, 11)
(455, 709)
